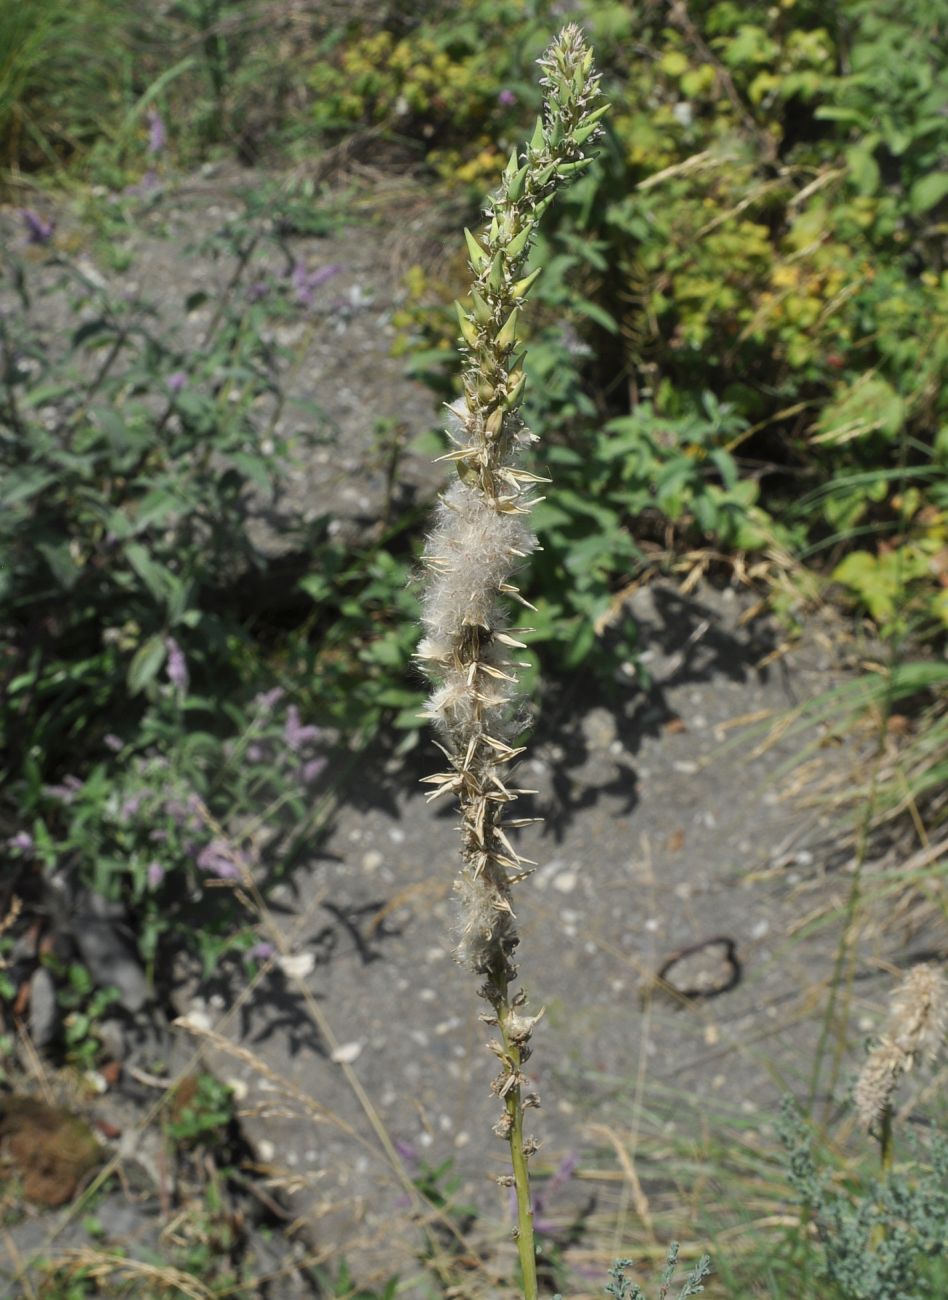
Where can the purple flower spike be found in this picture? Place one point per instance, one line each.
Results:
(295, 734)
(306, 282)
(218, 859)
(507, 98)
(157, 136)
(266, 700)
(177, 665)
(38, 230)
(156, 874)
(176, 382)
(22, 840)
(130, 806)
(262, 951)
(313, 770)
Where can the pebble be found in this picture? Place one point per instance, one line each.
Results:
(372, 860)
(565, 882)
(297, 965)
(44, 1013)
(346, 1053)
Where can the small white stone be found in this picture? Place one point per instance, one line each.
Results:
(461, 1139)
(565, 882)
(346, 1053)
(372, 860)
(651, 924)
(265, 1149)
(446, 1026)
(685, 766)
(238, 1087)
(427, 995)
(435, 954)
(396, 835)
(759, 929)
(297, 965)
(197, 1018)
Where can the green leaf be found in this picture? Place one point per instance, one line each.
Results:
(146, 663)
(21, 484)
(928, 191)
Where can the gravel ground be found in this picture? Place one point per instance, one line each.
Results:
(666, 849)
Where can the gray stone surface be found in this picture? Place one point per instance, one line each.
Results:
(666, 844)
(664, 827)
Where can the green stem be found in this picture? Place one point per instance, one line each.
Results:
(513, 1102)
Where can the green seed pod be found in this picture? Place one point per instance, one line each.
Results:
(494, 422)
(481, 310)
(496, 277)
(468, 330)
(522, 287)
(477, 255)
(516, 184)
(515, 394)
(536, 142)
(582, 133)
(519, 242)
(508, 333)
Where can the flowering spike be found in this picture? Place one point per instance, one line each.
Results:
(480, 538)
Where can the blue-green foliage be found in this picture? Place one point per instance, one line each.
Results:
(622, 1288)
(882, 1238)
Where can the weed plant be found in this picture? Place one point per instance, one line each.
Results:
(736, 361)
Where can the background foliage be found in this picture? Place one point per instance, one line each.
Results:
(737, 358)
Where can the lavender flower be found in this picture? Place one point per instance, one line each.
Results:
(306, 282)
(262, 951)
(157, 136)
(177, 665)
(66, 791)
(176, 382)
(295, 734)
(313, 770)
(265, 702)
(218, 859)
(130, 806)
(506, 98)
(38, 230)
(155, 874)
(22, 840)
